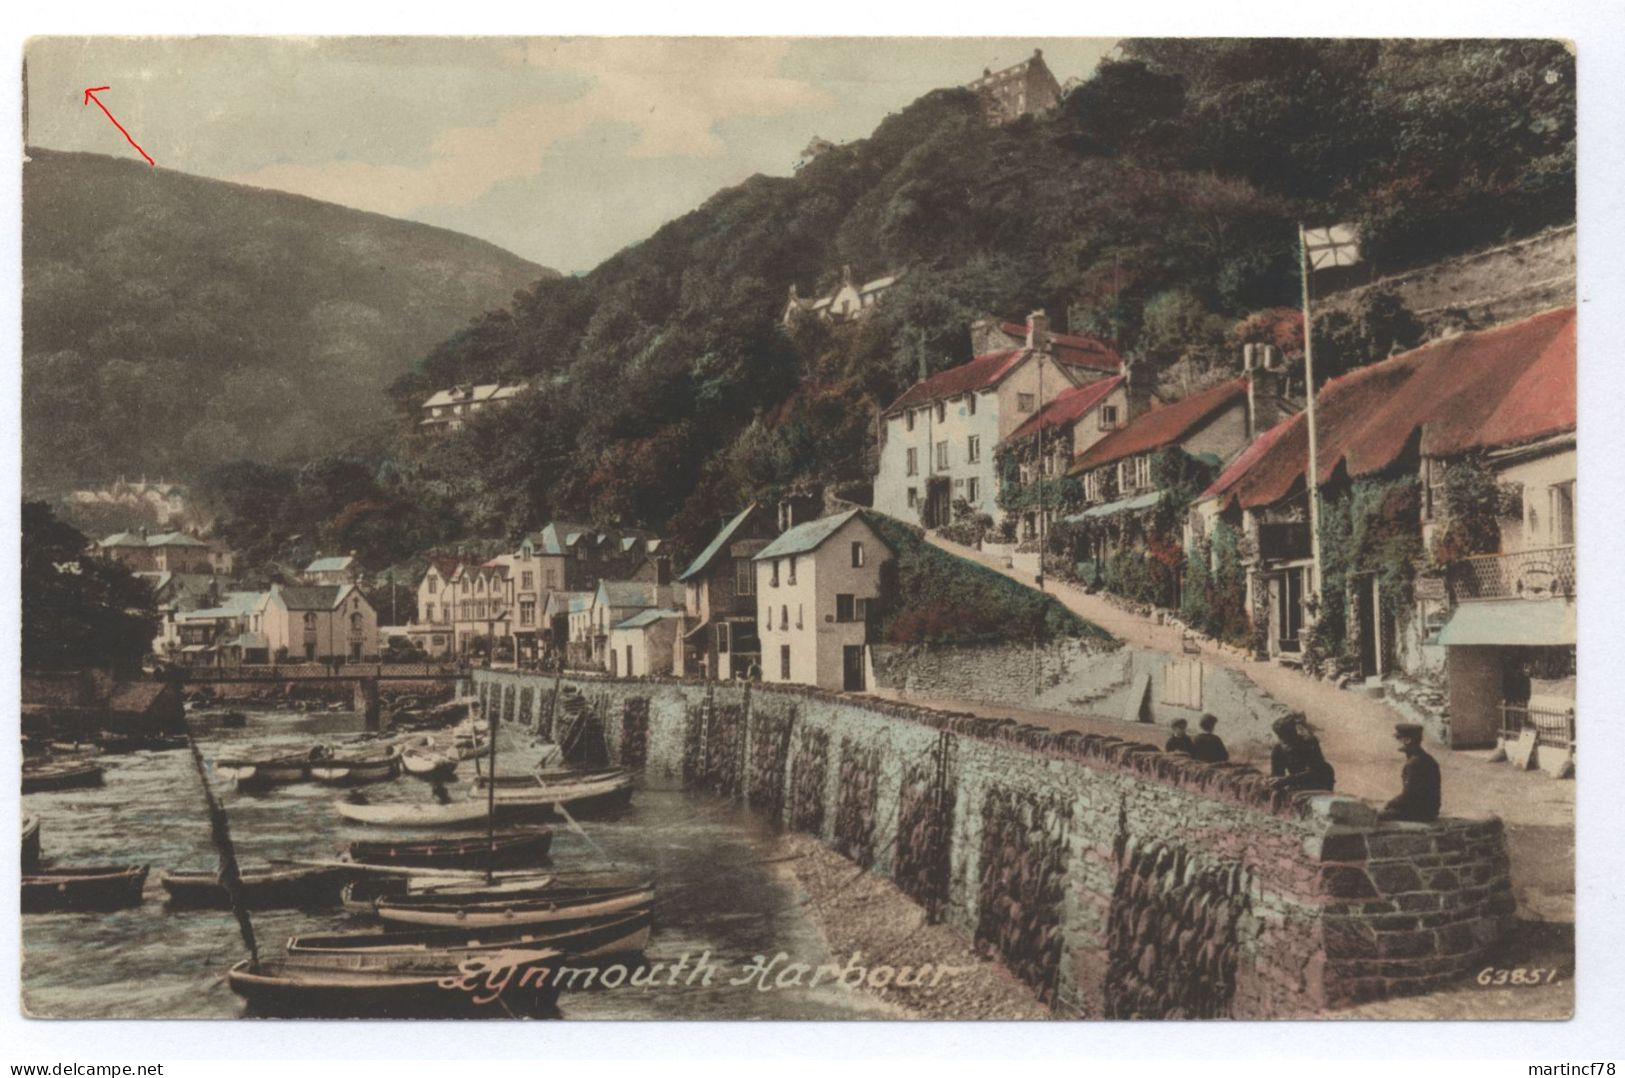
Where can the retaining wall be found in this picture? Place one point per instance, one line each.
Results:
(1116, 880)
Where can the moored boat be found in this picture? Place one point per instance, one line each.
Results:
(263, 888)
(580, 792)
(581, 938)
(512, 849)
(75, 890)
(31, 842)
(500, 984)
(259, 772)
(413, 813)
(40, 776)
(517, 904)
(428, 764)
(355, 768)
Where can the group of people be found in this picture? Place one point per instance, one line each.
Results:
(1296, 762)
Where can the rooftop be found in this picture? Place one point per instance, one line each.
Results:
(1161, 427)
(983, 372)
(1068, 407)
(719, 541)
(807, 537)
(330, 565)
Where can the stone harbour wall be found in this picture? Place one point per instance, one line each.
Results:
(1115, 880)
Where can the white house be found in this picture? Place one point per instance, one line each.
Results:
(331, 621)
(642, 645)
(814, 585)
(450, 408)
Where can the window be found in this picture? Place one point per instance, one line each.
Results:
(913, 497)
(773, 575)
(744, 577)
(428, 612)
(465, 585)
(784, 617)
(552, 578)
(527, 581)
(857, 555)
(908, 419)
(798, 615)
(1108, 417)
(1133, 474)
(860, 609)
(971, 491)
(970, 404)
(973, 449)
(1561, 515)
(942, 454)
(722, 636)
(310, 623)
(942, 411)
(791, 578)
(843, 608)
(1093, 486)
(913, 462)
(527, 612)
(355, 622)
(784, 662)
(1024, 402)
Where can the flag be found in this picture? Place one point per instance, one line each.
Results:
(1337, 245)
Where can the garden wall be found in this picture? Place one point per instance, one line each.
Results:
(1115, 880)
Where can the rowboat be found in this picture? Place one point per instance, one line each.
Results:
(354, 769)
(31, 845)
(264, 888)
(73, 890)
(429, 765)
(70, 774)
(580, 792)
(498, 984)
(513, 849)
(588, 937)
(414, 813)
(482, 907)
(258, 772)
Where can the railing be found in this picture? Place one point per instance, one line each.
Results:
(1543, 573)
(1552, 728)
(316, 670)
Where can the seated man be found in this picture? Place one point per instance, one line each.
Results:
(1419, 792)
(1296, 761)
(1207, 745)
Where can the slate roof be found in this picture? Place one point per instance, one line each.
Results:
(628, 593)
(1161, 427)
(473, 395)
(319, 597)
(446, 564)
(175, 539)
(330, 565)
(1068, 407)
(1493, 387)
(647, 617)
(806, 537)
(124, 539)
(720, 540)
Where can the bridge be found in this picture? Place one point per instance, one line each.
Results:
(365, 677)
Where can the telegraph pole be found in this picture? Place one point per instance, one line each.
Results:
(1312, 478)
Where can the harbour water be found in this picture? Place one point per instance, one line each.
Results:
(720, 890)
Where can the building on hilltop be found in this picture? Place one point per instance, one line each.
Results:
(166, 552)
(847, 302)
(1019, 90)
(450, 408)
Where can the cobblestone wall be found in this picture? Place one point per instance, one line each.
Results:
(1116, 879)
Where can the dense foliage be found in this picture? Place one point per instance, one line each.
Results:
(78, 611)
(1370, 527)
(171, 321)
(950, 600)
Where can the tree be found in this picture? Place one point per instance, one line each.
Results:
(79, 610)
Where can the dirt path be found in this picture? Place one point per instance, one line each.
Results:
(1356, 733)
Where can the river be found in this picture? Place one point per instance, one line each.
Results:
(719, 889)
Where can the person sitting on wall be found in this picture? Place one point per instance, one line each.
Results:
(1296, 762)
(1206, 746)
(1418, 799)
(1180, 741)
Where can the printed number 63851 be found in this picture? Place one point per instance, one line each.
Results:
(1490, 975)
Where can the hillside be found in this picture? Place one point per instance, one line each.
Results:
(1157, 206)
(170, 321)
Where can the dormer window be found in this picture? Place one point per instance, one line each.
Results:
(1108, 417)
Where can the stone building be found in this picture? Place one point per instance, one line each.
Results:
(1018, 90)
(847, 302)
(449, 409)
(718, 637)
(166, 552)
(330, 622)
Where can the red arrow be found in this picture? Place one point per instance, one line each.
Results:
(90, 95)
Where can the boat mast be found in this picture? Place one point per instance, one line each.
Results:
(491, 803)
(230, 878)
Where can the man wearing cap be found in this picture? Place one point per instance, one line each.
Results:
(1418, 798)
(1206, 746)
(1180, 741)
(1296, 762)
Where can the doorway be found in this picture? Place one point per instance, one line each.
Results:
(852, 668)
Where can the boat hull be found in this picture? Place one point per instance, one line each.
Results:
(520, 911)
(520, 982)
(81, 890)
(508, 851)
(262, 889)
(31, 842)
(342, 773)
(579, 939)
(61, 777)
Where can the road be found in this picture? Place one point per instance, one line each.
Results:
(1356, 733)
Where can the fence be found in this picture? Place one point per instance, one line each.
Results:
(1552, 727)
(1545, 572)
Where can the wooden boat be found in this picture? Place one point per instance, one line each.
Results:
(512, 849)
(429, 765)
(501, 984)
(67, 774)
(269, 887)
(259, 772)
(31, 843)
(583, 938)
(516, 905)
(580, 792)
(74, 890)
(355, 768)
(414, 813)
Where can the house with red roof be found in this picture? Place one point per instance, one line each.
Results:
(1044, 446)
(1501, 400)
(432, 630)
(938, 438)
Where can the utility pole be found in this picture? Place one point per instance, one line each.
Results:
(1311, 480)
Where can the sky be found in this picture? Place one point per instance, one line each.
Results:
(562, 150)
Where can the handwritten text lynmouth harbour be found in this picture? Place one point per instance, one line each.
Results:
(485, 979)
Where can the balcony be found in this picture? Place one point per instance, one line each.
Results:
(1542, 573)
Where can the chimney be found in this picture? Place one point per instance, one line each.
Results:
(1139, 378)
(986, 336)
(1264, 388)
(662, 570)
(846, 274)
(1038, 332)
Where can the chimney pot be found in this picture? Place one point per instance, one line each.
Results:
(1038, 331)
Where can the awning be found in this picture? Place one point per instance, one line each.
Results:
(250, 642)
(1122, 505)
(1512, 622)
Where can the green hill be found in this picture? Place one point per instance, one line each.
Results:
(171, 321)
